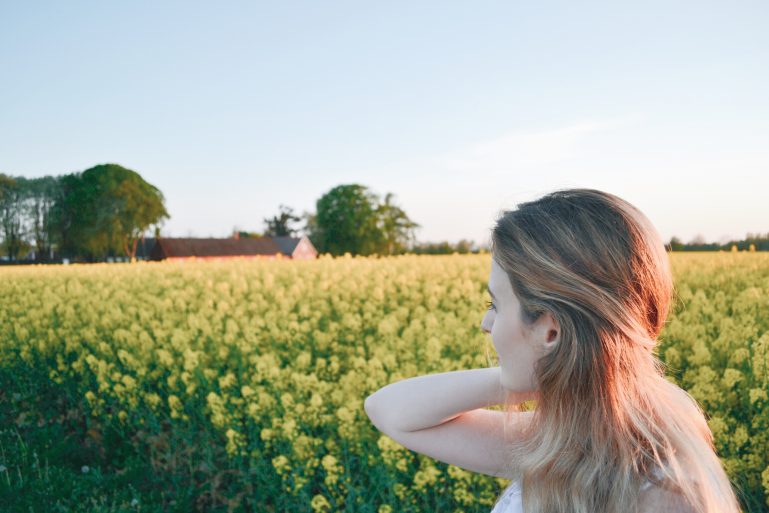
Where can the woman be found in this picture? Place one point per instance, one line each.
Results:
(581, 287)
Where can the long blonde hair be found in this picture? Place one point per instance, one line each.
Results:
(606, 419)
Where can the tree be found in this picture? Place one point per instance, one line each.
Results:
(240, 234)
(675, 244)
(67, 215)
(398, 229)
(350, 218)
(11, 214)
(464, 246)
(278, 226)
(105, 210)
(347, 221)
(310, 228)
(42, 195)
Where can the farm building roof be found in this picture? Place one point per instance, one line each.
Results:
(286, 243)
(203, 247)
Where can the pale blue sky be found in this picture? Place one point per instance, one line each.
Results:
(461, 109)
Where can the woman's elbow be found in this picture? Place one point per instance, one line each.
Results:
(374, 411)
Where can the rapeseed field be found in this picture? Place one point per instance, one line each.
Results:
(239, 385)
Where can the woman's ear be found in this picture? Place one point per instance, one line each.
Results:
(550, 332)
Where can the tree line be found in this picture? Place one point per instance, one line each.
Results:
(87, 216)
(751, 242)
(104, 211)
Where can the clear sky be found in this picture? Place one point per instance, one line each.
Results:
(460, 109)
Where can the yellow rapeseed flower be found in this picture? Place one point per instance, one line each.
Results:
(320, 504)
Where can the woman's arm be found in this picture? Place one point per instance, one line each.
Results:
(426, 401)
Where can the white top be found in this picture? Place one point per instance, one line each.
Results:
(512, 500)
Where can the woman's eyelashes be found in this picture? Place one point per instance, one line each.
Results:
(490, 305)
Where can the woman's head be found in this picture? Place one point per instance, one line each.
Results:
(583, 277)
(582, 287)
